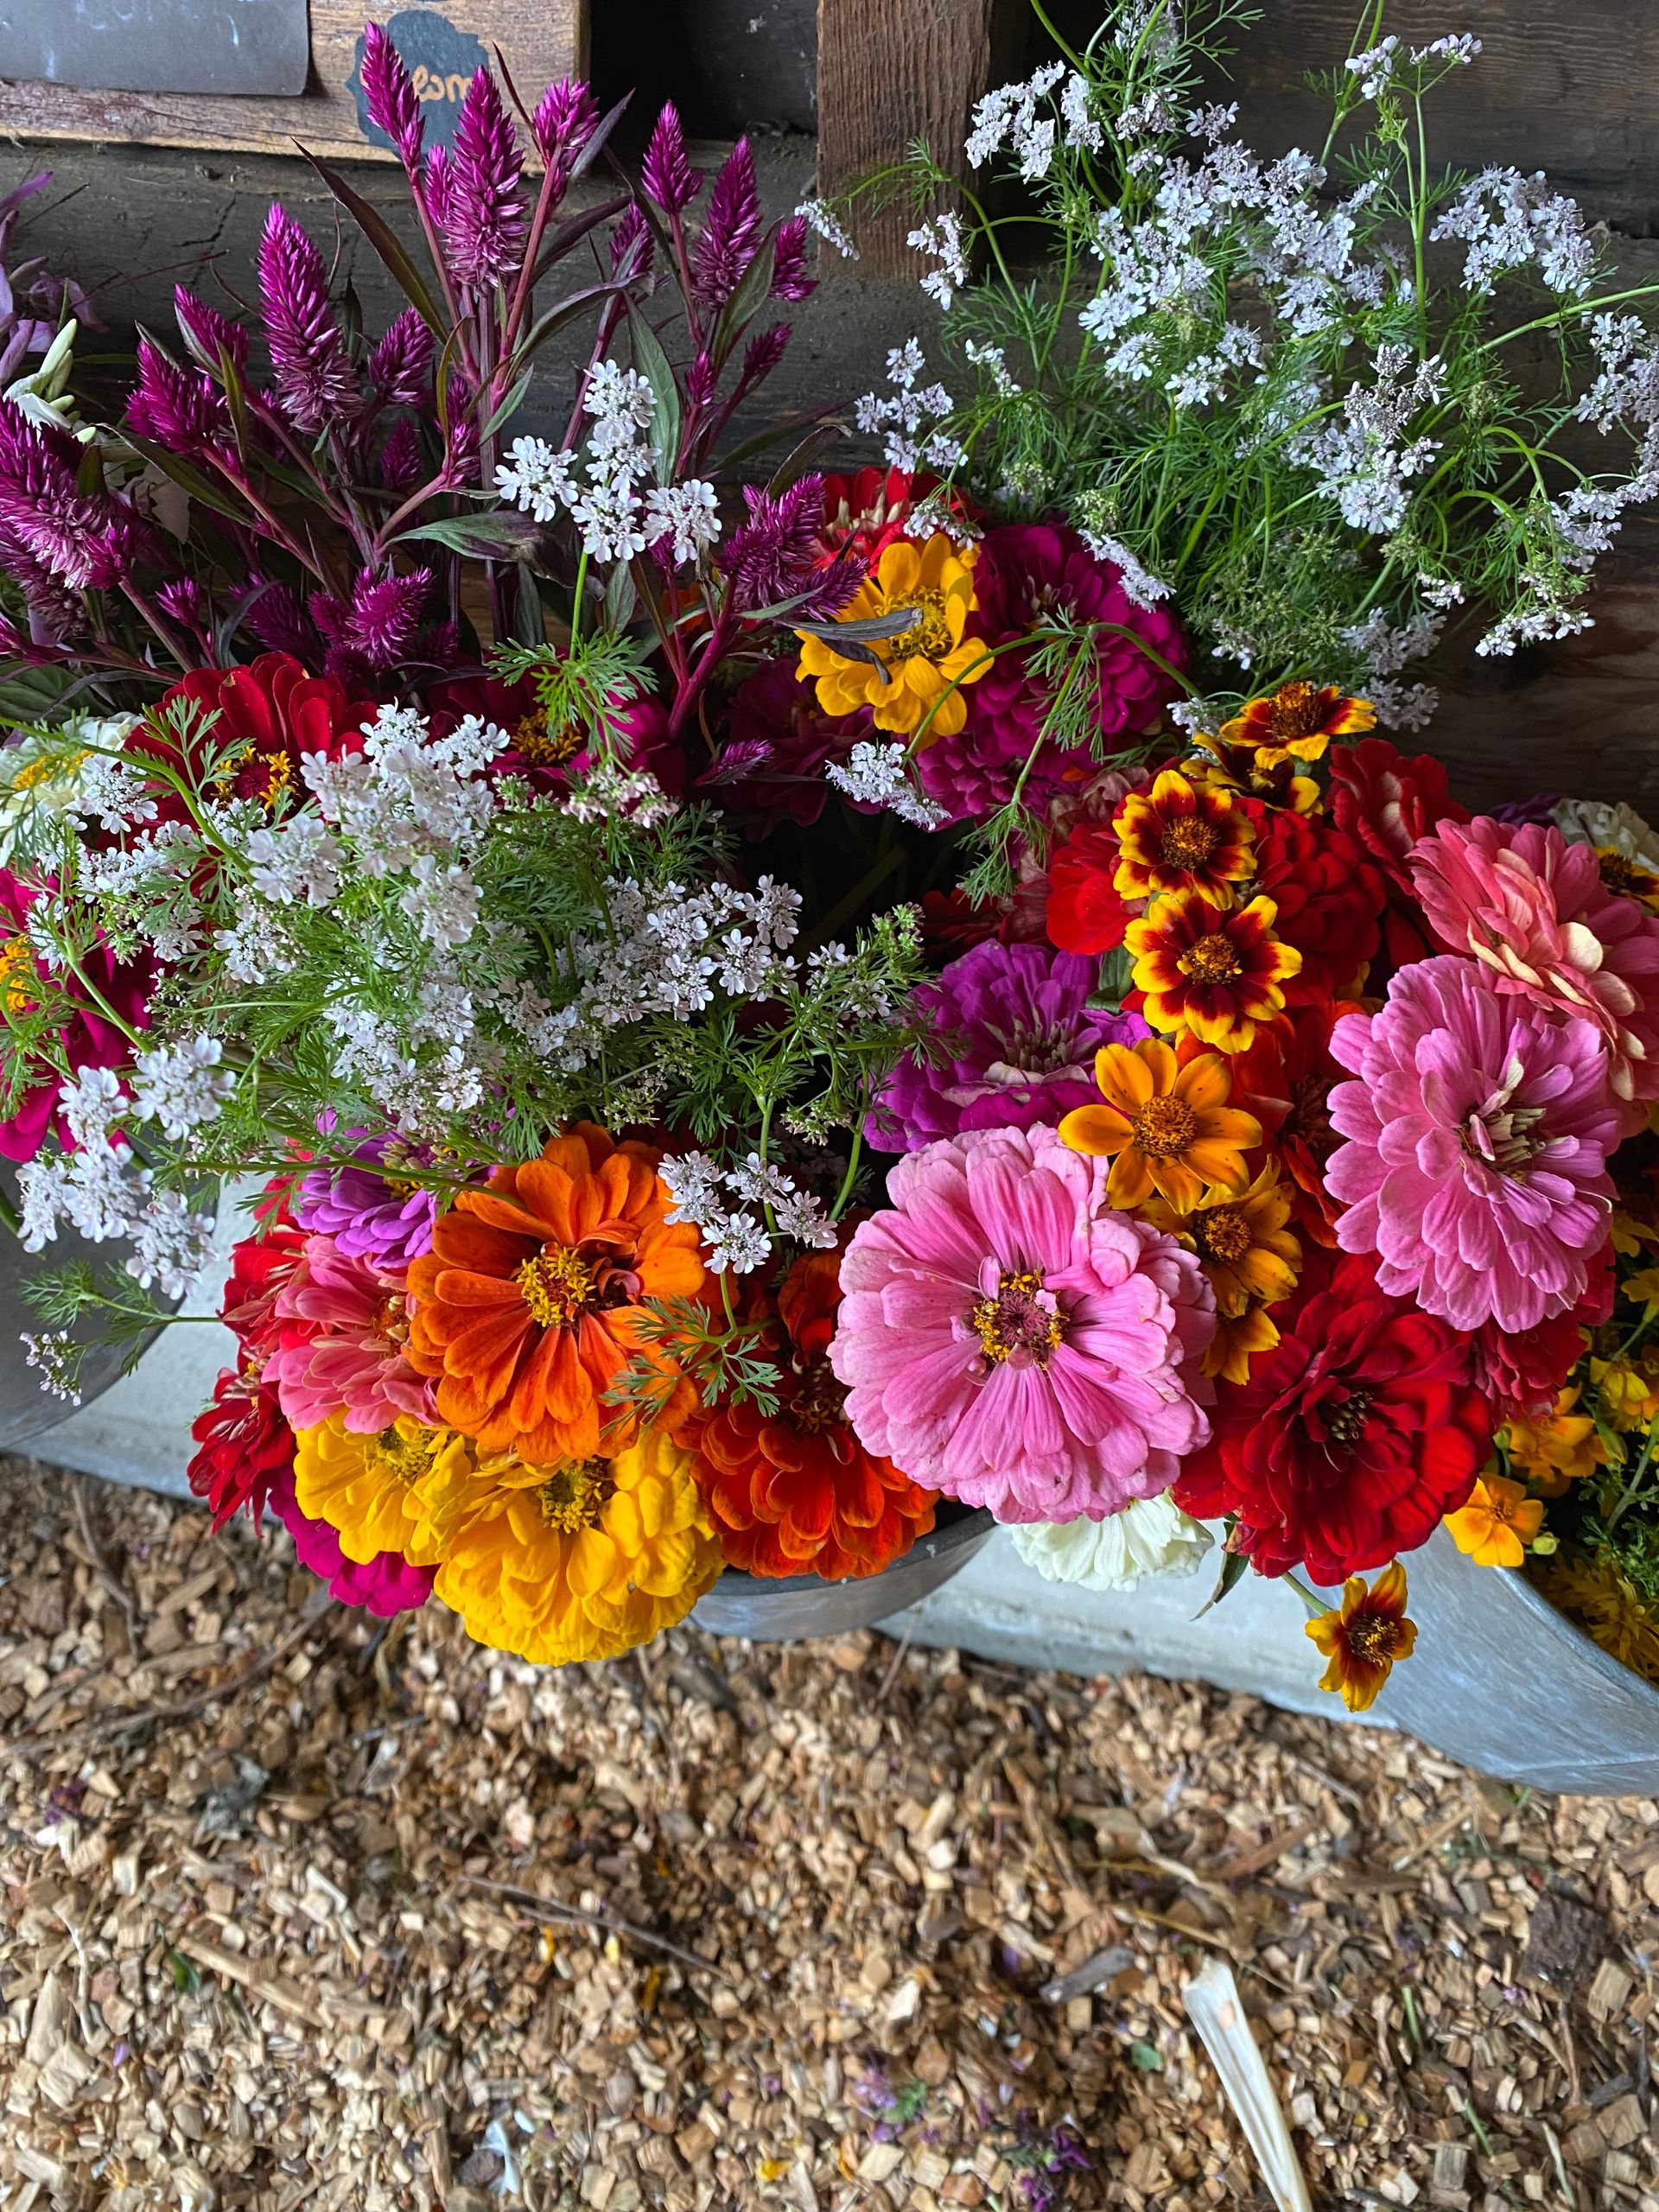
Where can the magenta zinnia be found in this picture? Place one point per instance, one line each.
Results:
(1008, 1338)
(1479, 1133)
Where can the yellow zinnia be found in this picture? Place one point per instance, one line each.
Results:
(1241, 1240)
(576, 1563)
(927, 664)
(1557, 1448)
(367, 1488)
(1627, 1391)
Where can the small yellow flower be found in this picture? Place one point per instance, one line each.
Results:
(1627, 878)
(1364, 1637)
(1557, 1448)
(1241, 1239)
(923, 668)
(1497, 1524)
(1628, 1390)
(1164, 1127)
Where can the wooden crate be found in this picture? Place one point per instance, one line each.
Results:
(442, 44)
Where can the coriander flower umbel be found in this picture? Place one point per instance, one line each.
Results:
(537, 478)
(181, 1086)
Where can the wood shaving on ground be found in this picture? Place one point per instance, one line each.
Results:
(397, 1922)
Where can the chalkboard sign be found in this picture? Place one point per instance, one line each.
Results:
(158, 46)
(64, 87)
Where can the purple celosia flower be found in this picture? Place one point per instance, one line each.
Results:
(400, 367)
(702, 381)
(61, 535)
(180, 409)
(773, 556)
(1540, 808)
(370, 1216)
(389, 95)
(401, 463)
(731, 236)
(1024, 572)
(566, 117)
(387, 1585)
(666, 171)
(184, 602)
(632, 247)
(314, 378)
(209, 334)
(1478, 1135)
(484, 219)
(788, 278)
(379, 624)
(436, 185)
(1018, 1037)
(761, 356)
(278, 621)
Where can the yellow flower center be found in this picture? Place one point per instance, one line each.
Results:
(1164, 1127)
(404, 1459)
(1294, 713)
(1021, 1322)
(1211, 960)
(557, 1285)
(47, 769)
(1187, 841)
(16, 974)
(1372, 1638)
(573, 1499)
(540, 747)
(929, 638)
(1223, 1234)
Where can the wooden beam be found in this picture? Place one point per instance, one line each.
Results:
(892, 71)
(539, 40)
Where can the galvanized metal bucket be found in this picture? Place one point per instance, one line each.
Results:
(780, 1612)
(1504, 1682)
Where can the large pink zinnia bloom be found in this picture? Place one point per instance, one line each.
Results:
(1533, 911)
(1479, 1133)
(1009, 1338)
(353, 1363)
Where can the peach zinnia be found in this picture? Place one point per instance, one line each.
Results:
(1179, 836)
(1170, 1126)
(529, 1305)
(1215, 975)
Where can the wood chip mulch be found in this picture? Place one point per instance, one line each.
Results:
(387, 1922)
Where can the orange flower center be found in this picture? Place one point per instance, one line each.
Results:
(1372, 1638)
(540, 747)
(16, 974)
(557, 1285)
(819, 1397)
(573, 1499)
(1294, 713)
(1345, 1424)
(1164, 1127)
(1021, 1322)
(1211, 960)
(1223, 1234)
(1187, 841)
(928, 639)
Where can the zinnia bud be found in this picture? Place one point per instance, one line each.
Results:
(732, 235)
(389, 95)
(666, 171)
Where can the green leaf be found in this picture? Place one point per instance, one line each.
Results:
(544, 325)
(385, 242)
(560, 242)
(509, 407)
(621, 599)
(761, 440)
(187, 1978)
(1146, 2056)
(1233, 1565)
(528, 624)
(504, 535)
(653, 365)
(745, 302)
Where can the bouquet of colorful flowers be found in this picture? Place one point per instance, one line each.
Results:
(769, 1013)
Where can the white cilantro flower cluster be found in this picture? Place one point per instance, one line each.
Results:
(738, 1210)
(1365, 462)
(1383, 65)
(1508, 221)
(819, 216)
(943, 241)
(877, 773)
(1010, 117)
(609, 489)
(908, 415)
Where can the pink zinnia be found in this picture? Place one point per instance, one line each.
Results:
(386, 1584)
(1533, 911)
(1008, 1338)
(353, 1362)
(1478, 1135)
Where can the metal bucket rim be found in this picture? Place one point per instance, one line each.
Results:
(1611, 1670)
(965, 1528)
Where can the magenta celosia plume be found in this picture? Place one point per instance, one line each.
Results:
(314, 375)
(1478, 1133)
(484, 210)
(350, 1360)
(1009, 1338)
(1533, 911)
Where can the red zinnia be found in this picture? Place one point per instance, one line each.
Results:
(1386, 801)
(1524, 1373)
(268, 715)
(260, 1269)
(1353, 1438)
(246, 1447)
(865, 513)
(796, 1492)
(1329, 897)
(1285, 1080)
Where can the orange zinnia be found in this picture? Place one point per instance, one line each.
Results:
(1179, 836)
(528, 1307)
(1169, 1126)
(1364, 1637)
(795, 1492)
(1215, 975)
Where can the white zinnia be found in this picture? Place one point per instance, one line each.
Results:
(1150, 1536)
(1618, 829)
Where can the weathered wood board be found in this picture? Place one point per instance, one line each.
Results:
(443, 44)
